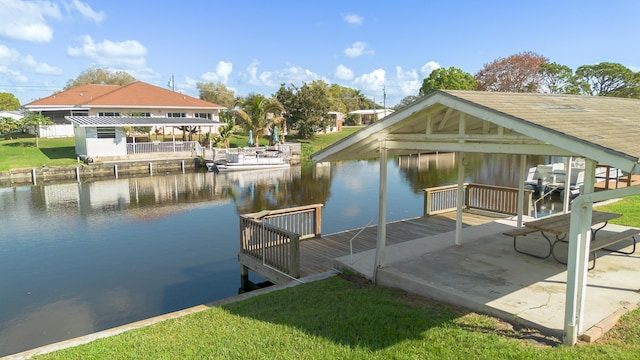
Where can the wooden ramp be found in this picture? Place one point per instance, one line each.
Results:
(317, 255)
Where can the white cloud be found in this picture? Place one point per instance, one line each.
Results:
(353, 19)
(343, 73)
(13, 75)
(11, 58)
(129, 54)
(252, 77)
(407, 82)
(428, 68)
(357, 48)
(373, 81)
(223, 70)
(26, 20)
(85, 10)
(296, 75)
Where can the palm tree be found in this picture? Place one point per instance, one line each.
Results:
(228, 130)
(35, 121)
(257, 114)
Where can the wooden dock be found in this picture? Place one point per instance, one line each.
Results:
(317, 255)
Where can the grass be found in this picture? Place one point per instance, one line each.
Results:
(21, 152)
(337, 318)
(629, 206)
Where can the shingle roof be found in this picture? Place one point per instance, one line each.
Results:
(84, 121)
(604, 129)
(135, 95)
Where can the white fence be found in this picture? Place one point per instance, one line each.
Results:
(164, 147)
(54, 131)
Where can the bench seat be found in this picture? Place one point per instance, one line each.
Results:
(604, 241)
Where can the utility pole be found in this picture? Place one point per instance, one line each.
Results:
(172, 84)
(384, 100)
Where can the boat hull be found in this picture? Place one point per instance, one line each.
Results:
(241, 167)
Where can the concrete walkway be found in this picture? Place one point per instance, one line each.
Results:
(486, 275)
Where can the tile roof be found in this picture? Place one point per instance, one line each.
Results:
(83, 121)
(135, 95)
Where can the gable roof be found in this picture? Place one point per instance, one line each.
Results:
(135, 95)
(604, 129)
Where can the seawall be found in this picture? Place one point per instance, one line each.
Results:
(95, 171)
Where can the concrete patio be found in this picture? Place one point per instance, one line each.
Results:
(486, 275)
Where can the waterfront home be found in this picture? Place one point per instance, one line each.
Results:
(105, 118)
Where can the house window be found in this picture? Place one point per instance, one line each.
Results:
(176, 115)
(203, 115)
(109, 113)
(106, 133)
(140, 114)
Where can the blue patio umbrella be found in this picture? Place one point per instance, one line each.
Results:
(250, 137)
(275, 134)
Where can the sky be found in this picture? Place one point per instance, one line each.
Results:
(382, 48)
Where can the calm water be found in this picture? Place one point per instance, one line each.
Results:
(83, 257)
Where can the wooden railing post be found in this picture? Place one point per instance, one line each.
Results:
(294, 257)
(318, 221)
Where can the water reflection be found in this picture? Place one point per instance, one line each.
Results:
(83, 257)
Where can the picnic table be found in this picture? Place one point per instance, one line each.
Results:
(555, 228)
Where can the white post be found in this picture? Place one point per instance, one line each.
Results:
(150, 168)
(567, 186)
(578, 259)
(381, 238)
(33, 176)
(459, 198)
(523, 178)
(115, 170)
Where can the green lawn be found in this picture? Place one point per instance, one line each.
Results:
(22, 152)
(340, 319)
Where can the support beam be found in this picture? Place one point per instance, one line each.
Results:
(459, 198)
(381, 238)
(523, 177)
(578, 259)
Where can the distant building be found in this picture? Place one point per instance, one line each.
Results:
(370, 115)
(335, 123)
(100, 114)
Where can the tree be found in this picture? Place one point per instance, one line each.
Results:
(8, 101)
(100, 76)
(216, 93)
(405, 101)
(34, 121)
(516, 73)
(257, 113)
(222, 139)
(451, 78)
(306, 108)
(608, 79)
(558, 79)
(8, 125)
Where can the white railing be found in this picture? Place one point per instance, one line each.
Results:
(476, 196)
(164, 147)
(286, 149)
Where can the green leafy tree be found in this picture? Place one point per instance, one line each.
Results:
(8, 101)
(558, 79)
(35, 121)
(222, 139)
(450, 78)
(216, 93)
(516, 73)
(100, 76)
(257, 113)
(405, 101)
(8, 125)
(306, 108)
(608, 79)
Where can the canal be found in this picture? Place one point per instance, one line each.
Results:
(77, 258)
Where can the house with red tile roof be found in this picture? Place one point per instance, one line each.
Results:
(101, 114)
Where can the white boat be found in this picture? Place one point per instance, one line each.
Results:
(551, 178)
(253, 158)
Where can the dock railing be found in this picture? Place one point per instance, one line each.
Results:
(273, 236)
(476, 196)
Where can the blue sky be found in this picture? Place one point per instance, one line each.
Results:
(253, 46)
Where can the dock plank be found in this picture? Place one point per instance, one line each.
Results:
(317, 255)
